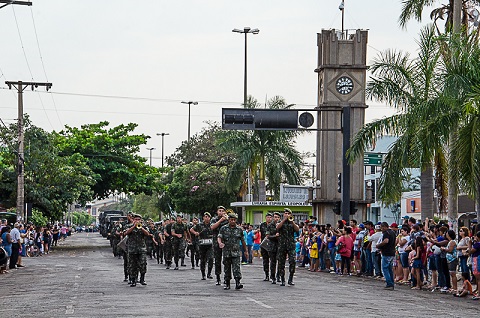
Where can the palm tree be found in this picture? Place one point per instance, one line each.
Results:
(411, 86)
(265, 154)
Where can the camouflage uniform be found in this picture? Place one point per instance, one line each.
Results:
(158, 235)
(265, 254)
(286, 246)
(149, 242)
(117, 228)
(205, 250)
(126, 268)
(194, 249)
(137, 258)
(179, 243)
(272, 230)
(231, 237)
(217, 251)
(167, 246)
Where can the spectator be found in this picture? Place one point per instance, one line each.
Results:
(451, 257)
(257, 240)
(6, 244)
(475, 253)
(15, 237)
(23, 245)
(462, 248)
(402, 239)
(376, 255)
(418, 259)
(249, 241)
(467, 288)
(331, 240)
(313, 253)
(387, 247)
(345, 248)
(357, 248)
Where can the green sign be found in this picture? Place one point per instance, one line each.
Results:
(372, 159)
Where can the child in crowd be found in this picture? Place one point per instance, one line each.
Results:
(467, 288)
(313, 254)
(298, 249)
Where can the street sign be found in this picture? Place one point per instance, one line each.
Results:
(372, 159)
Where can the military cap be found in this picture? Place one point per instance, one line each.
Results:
(172, 218)
(135, 215)
(269, 214)
(232, 215)
(277, 213)
(130, 213)
(180, 215)
(287, 210)
(195, 218)
(207, 213)
(220, 207)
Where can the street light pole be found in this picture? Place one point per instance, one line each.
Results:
(245, 30)
(189, 104)
(150, 149)
(163, 135)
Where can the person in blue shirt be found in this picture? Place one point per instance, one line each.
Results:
(249, 240)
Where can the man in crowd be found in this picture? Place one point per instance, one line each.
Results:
(168, 241)
(179, 234)
(15, 237)
(137, 250)
(273, 237)
(387, 247)
(193, 245)
(229, 238)
(265, 254)
(204, 235)
(217, 222)
(286, 229)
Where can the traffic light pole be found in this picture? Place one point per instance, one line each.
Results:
(345, 166)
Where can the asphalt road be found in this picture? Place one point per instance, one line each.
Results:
(81, 278)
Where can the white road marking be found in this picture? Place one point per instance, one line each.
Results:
(259, 303)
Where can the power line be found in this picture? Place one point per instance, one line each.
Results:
(43, 65)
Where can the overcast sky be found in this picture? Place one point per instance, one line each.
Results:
(162, 52)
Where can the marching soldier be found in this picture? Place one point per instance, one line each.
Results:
(137, 250)
(150, 239)
(116, 233)
(160, 238)
(204, 235)
(168, 242)
(273, 237)
(193, 244)
(126, 268)
(265, 254)
(286, 245)
(229, 239)
(217, 222)
(179, 234)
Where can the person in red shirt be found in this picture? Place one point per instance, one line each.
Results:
(345, 247)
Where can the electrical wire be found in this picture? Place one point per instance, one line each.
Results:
(43, 65)
(28, 64)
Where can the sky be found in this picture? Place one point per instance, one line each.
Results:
(135, 61)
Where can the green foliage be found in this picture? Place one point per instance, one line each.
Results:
(197, 187)
(38, 219)
(147, 206)
(112, 155)
(82, 218)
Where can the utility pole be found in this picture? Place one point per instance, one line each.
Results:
(150, 149)
(7, 2)
(189, 104)
(20, 86)
(163, 135)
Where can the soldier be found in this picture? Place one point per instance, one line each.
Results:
(217, 222)
(150, 242)
(229, 239)
(168, 241)
(286, 245)
(137, 250)
(116, 233)
(273, 237)
(126, 268)
(160, 238)
(179, 234)
(263, 234)
(193, 244)
(204, 235)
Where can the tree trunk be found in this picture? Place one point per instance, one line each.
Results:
(452, 183)
(426, 193)
(457, 16)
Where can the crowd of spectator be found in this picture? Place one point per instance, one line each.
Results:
(423, 255)
(26, 240)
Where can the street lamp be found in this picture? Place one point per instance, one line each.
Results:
(163, 135)
(245, 30)
(189, 104)
(150, 149)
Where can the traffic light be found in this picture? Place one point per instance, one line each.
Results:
(353, 210)
(265, 119)
(337, 208)
(339, 183)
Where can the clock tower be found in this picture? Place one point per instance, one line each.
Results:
(341, 100)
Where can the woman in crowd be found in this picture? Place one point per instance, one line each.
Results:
(417, 265)
(402, 239)
(39, 239)
(7, 245)
(46, 240)
(475, 253)
(462, 248)
(451, 255)
(345, 247)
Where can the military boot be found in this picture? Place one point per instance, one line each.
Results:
(227, 285)
(134, 282)
(237, 284)
(282, 280)
(278, 278)
(183, 262)
(203, 275)
(274, 281)
(209, 275)
(142, 279)
(290, 279)
(126, 278)
(267, 278)
(176, 266)
(168, 265)
(218, 280)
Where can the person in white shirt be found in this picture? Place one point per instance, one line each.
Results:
(15, 235)
(376, 256)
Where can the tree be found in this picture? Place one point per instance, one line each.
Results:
(198, 187)
(268, 155)
(112, 154)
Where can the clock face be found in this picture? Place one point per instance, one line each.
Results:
(344, 85)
